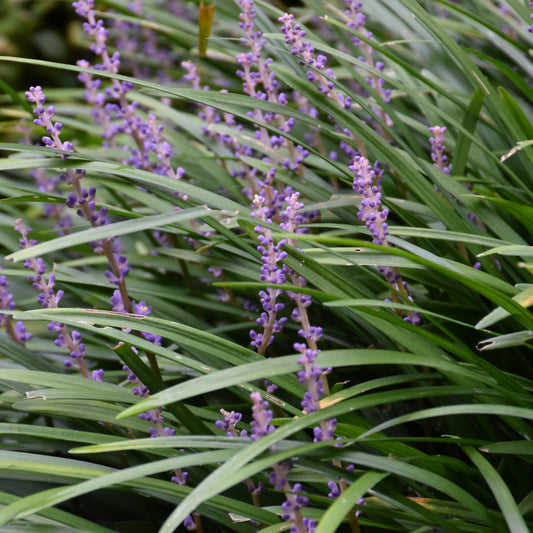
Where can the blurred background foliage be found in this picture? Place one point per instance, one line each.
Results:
(42, 30)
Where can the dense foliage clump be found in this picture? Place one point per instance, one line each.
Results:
(267, 267)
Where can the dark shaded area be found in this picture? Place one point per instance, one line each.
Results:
(38, 30)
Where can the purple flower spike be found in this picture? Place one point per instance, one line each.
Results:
(120, 115)
(292, 505)
(154, 416)
(123, 269)
(262, 416)
(259, 82)
(356, 20)
(49, 298)
(81, 198)
(437, 149)
(6, 301)
(278, 476)
(228, 425)
(311, 377)
(44, 118)
(367, 183)
(84, 8)
(271, 272)
(321, 75)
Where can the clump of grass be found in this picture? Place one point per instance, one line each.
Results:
(289, 259)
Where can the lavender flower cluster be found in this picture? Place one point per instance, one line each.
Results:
(262, 76)
(367, 183)
(268, 203)
(82, 199)
(112, 110)
(50, 298)
(296, 500)
(17, 332)
(271, 272)
(440, 160)
(324, 77)
(147, 135)
(356, 21)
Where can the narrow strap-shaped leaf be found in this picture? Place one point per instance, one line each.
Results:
(513, 517)
(108, 230)
(449, 410)
(464, 142)
(516, 113)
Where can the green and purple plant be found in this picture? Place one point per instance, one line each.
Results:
(287, 249)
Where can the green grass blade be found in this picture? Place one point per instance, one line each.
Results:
(507, 503)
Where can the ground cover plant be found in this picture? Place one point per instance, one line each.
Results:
(267, 267)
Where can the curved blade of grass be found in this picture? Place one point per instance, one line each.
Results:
(512, 250)
(507, 503)
(516, 113)
(80, 393)
(286, 364)
(390, 305)
(65, 382)
(464, 142)
(95, 411)
(421, 475)
(108, 230)
(423, 510)
(452, 410)
(524, 298)
(505, 341)
(10, 350)
(516, 447)
(43, 528)
(440, 234)
(203, 441)
(58, 433)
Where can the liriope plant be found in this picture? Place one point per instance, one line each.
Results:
(272, 257)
